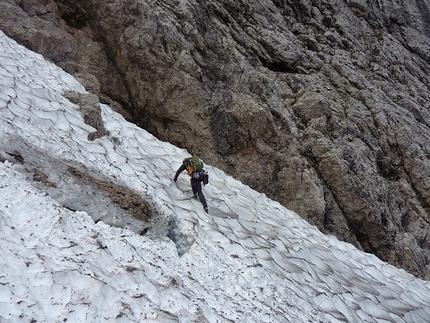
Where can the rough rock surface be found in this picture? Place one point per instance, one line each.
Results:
(89, 106)
(324, 106)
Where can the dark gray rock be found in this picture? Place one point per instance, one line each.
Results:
(324, 106)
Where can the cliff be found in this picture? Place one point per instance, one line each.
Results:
(323, 106)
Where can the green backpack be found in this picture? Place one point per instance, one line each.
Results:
(196, 163)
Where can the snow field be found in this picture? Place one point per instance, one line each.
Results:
(266, 264)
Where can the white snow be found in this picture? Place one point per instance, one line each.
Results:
(249, 260)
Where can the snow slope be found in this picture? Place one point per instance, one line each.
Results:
(249, 260)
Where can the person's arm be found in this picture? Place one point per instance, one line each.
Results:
(180, 170)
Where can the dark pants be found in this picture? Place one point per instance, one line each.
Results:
(196, 185)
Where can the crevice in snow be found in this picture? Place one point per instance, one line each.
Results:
(182, 241)
(75, 190)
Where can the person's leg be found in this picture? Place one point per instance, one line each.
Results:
(193, 187)
(197, 186)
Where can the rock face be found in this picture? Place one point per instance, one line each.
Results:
(324, 106)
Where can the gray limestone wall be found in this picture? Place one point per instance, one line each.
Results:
(322, 106)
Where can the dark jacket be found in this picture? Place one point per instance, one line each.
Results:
(180, 170)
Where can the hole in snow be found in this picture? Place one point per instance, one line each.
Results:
(183, 241)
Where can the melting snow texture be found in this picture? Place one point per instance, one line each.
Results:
(248, 260)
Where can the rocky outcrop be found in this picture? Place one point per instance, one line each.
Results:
(89, 106)
(322, 106)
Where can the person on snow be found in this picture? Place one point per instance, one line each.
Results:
(194, 167)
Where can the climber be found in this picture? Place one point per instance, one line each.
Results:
(194, 167)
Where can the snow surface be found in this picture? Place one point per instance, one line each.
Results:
(249, 260)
